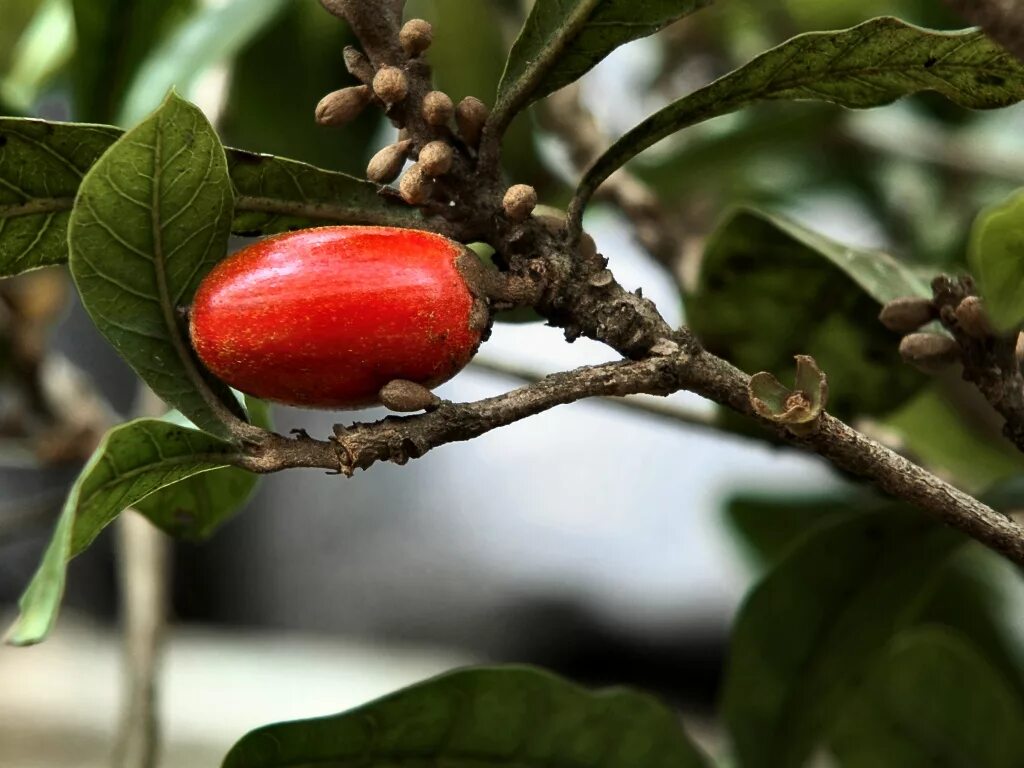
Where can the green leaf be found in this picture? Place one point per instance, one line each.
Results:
(151, 218)
(41, 50)
(870, 65)
(195, 508)
(564, 39)
(482, 717)
(113, 38)
(131, 461)
(813, 627)
(996, 258)
(757, 263)
(211, 35)
(42, 165)
(933, 700)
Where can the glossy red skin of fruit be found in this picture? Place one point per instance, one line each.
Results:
(323, 318)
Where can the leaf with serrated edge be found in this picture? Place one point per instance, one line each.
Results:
(132, 461)
(151, 218)
(563, 39)
(932, 700)
(996, 256)
(42, 165)
(195, 508)
(870, 65)
(818, 622)
(482, 717)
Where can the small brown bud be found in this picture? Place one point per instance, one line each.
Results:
(343, 106)
(519, 201)
(601, 279)
(358, 65)
(437, 108)
(588, 248)
(385, 166)
(404, 396)
(970, 314)
(390, 84)
(905, 315)
(416, 36)
(931, 352)
(415, 186)
(470, 116)
(436, 158)
(1018, 349)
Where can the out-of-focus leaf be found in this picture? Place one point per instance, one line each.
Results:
(770, 289)
(563, 39)
(42, 49)
(869, 65)
(932, 700)
(196, 507)
(482, 717)
(291, 65)
(151, 218)
(132, 461)
(817, 623)
(212, 34)
(996, 257)
(113, 38)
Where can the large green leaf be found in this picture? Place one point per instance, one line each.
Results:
(933, 700)
(42, 165)
(132, 461)
(770, 289)
(869, 65)
(563, 39)
(113, 37)
(482, 718)
(196, 507)
(996, 257)
(214, 33)
(814, 626)
(151, 218)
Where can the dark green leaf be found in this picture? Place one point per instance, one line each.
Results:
(132, 461)
(813, 627)
(479, 718)
(151, 218)
(870, 65)
(996, 257)
(113, 37)
(933, 700)
(564, 39)
(756, 264)
(211, 35)
(195, 508)
(42, 165)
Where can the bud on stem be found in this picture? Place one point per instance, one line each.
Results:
(436, 158)
(906, 315)
(931, 352)
(385, 166)
(470, 116)
(437, 108)
(342, 106)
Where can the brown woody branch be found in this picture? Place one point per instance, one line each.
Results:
(579, 294)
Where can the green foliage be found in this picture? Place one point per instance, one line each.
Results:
(132, 461)
(113, 38)
(742, 308)
(932, 700)
(196, 507)
(564, 39)
(870, 65)
(151, 218)
(996, 257)
(811, 629)
(482, 717)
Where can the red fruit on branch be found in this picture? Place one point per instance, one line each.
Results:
(324, 318)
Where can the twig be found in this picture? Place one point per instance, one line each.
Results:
(1002, 20)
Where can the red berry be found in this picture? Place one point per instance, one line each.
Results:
(324, 318)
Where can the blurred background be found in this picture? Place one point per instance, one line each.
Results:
(592, 539)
